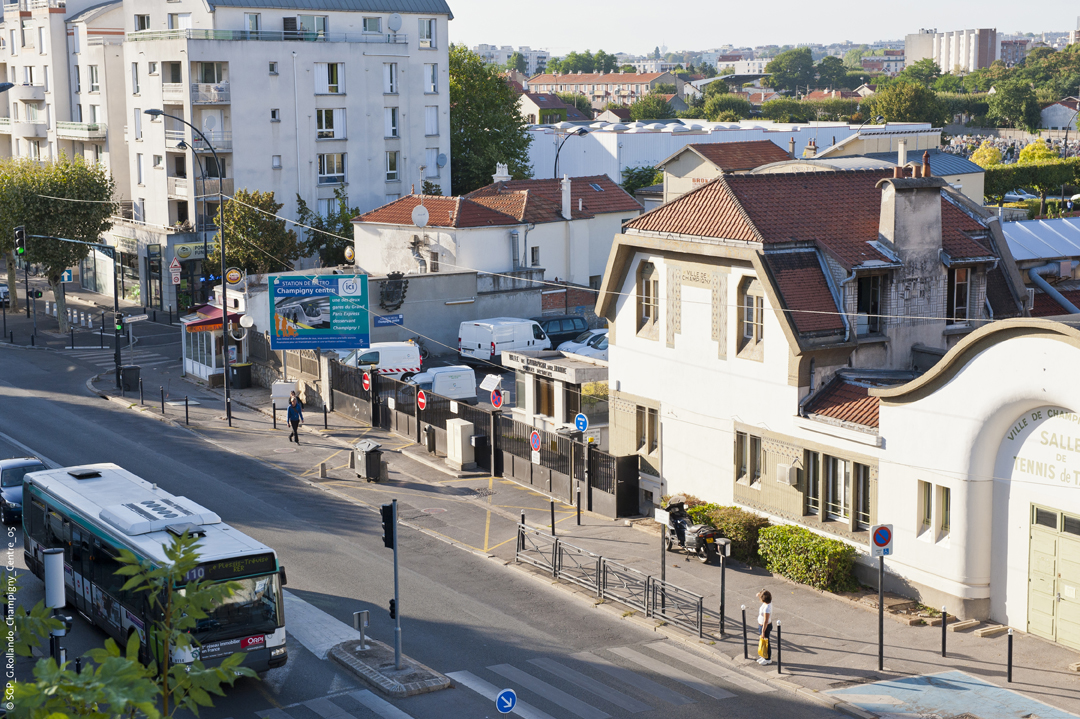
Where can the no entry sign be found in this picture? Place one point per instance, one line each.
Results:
(366, 381)
(881, 537)
(421, 399)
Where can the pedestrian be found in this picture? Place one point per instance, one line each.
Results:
(764, 620)
(295, 418)
(293, 395)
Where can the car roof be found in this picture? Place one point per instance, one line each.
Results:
(545, 318)
(20, 462)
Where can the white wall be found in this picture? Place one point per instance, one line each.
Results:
(1059, 117)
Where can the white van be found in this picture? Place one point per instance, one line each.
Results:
(457, 382)
(400, 360)
(485, 340)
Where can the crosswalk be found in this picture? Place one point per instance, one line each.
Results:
(644, 679)
(104, 358)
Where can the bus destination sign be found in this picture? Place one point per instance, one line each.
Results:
(232, 568)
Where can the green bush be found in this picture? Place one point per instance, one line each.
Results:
(808, 558)
(742, 528)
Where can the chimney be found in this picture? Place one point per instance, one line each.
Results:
(910, 221)
(567, 206)
(502, 173)
(926, 164)
(901, 155)
(811, 148)
(791, 147)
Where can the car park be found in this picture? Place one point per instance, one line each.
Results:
(562, 328)
(12, 472)
(595, 348)
(580, 341)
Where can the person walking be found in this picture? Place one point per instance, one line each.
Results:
(295, 418)
(764, 620)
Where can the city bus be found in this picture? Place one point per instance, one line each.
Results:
(94, 511)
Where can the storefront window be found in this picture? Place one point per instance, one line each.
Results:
(545, 397)
(129, 277)
(520, 378)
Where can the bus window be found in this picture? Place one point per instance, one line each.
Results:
(37, 521)
(57, 532)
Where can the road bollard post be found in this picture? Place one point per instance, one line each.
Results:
(779, 649)
(553, 518)
(187, 417)
(745, 646)
(944, 621)
(1010, 655)
(140, 392)
(273, 413)
(162, 397)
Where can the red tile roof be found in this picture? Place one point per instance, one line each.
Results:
(442, 211)
(1045, 306)
(833, 95)
(612, 78)
(548, 194)
(736, 156)
(847, 402)
(802, 285)
(956, 230)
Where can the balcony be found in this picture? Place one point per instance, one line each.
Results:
(178, 187)
(220, 140)
(210, 93)
(30, 129)
(173, 92)
(81, 130)
(27, 93)
(211, 186)
(261, 36)
(5, 125)
(27, 5)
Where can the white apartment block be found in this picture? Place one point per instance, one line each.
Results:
(500, 55)
(348, 95)
(956, 51)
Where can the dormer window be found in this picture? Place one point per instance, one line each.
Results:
(868, 305)
(959, 296)
(751, 318)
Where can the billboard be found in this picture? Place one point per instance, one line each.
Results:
(321, 311)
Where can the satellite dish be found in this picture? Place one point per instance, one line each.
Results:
(420, 216)
(209, 121)
(441, 160)
(246, 322)
(394, 23)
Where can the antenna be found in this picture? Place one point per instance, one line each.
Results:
(394, 23)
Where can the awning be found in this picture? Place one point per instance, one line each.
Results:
(206, 319)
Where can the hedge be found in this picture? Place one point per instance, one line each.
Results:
(738, 525)
(808, 558)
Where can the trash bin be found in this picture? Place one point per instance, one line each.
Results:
(129, 377)
(368, 460)
(429, 434)
(241, 375)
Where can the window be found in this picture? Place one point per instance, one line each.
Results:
(869, 305)
(648, 299)
(959, 292)
(78, 114)
(391, 121)
(331, 168)
(275, 162)
(534, 256)
(152, 68)
(392, 174)
(139, 168)
(95, 86)
(139, 209)
(14, 44)
(433, 261)
(95, 113)
(134, 78)
(431, 78)
(756, 459)
(48, 78)
(275, 115)
(98, 151)
(137, 126)
(837, 487)
(431, 121)
(752, 317)
(390, 78)
(329, 78)
(394, 197)
(142, 22)
(812, 483)
(312, 25)
(252, 21)
(41, 40)
(328, 207)
(427, 32)
(330, 124)
(211, 73)
(945, 508)
(373, 24)
(158, 161)
(862, 497)
(648, 429)
(544, 396)
(28, 75)
(749, 458)
(273, 68)
(180, 21)
(431, 162)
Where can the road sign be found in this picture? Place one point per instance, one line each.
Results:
(366, 381)
(389, 320)
(581, 422)
(496, 398)
(176, 278)
(881, 536)
(506, 701)
(66, 276)
(174, 266)
(135, 318)
(534, 441)
(233, 275)
(421, 400)
(491, 381)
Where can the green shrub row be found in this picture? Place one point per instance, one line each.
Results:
(808, 558)
(738, 525)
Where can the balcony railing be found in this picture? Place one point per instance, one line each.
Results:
(81, 130)
(173, 92)
(260, 35)
(211, 186)
(5, 125)
(178, 186)
(104, 40)
(26, 5)
(221, 141)
(210, 92)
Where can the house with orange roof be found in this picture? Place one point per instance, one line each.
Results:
(621, 88)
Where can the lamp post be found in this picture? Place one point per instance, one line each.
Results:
(579, 132)
(202, 172)
(221, 243)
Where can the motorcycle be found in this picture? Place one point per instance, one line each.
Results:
(699, 540)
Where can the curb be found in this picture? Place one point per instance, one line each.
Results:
(345, 655)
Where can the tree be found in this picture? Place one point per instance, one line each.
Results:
(431, 188)
(115, 683)
(651, 107)
(485, 125)
(1013, 104)
(328, 236)
(948, 83)
(664, 88)
(26, 191)
(791, 69)
(831, 72)
(784, 109)
(602, 62)
(255, 239)
(986, 156)
(853, 57)
(924, 72)
(634, 178)
(517, 62)
(728, 106)
(576, 100)
(656, 53)
(707, 70)
(716, 87)
(906, 102)
(627, 68)
(1037, 151)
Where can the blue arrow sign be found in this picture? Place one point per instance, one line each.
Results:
(581, 422)
(506, 701)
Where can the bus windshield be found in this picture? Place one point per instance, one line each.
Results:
(252, 609)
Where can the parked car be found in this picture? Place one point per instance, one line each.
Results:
(581, 340)
(12, 472)
(595, 348)
(562, 328)
(5, 296)
(1020, 195)
(399, 360)
(486, 340)
(457, 382)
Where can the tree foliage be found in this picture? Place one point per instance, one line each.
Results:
(255, 240)
(328, 236)
(906, 102)
(791, 69)
(665, 88)
(1043, 176)
(924, 72)
(986, 156)
(1037, 151)
(634, 178)
(784, 109)
(651, 107)
(1013, 104)
(517, 62)
(727, 105)
(486, 127)
(585, 62)
(579, 101)
(831, 72)
(716, 87)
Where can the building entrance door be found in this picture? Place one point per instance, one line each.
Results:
(1054, 576)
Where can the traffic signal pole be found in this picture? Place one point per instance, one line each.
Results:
(117, 320)
(397, 599)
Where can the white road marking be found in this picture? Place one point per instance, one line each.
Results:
(744, 682)
(552, 694)
(380, 706)
(315, 629)
(633, 679)
(673, 674)
(589, 684)
(490, 691)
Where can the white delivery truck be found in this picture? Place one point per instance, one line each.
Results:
(399, 360)
(456, 382)
(486, 340)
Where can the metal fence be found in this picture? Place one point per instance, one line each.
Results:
(579, 566)
(602, 471)
(674, 604)
(306, 361)
(514, 437)
(536, 548)
(348, 380)
(624, 584)
(259, 349)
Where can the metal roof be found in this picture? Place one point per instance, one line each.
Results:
(941, 163)
(1043, 239)
(427, 7)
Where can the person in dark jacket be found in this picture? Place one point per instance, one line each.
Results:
(295, 418)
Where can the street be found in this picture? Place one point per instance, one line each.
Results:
(485, 624)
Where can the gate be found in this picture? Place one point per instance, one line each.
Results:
(347, 393)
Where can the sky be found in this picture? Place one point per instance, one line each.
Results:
(638, 26)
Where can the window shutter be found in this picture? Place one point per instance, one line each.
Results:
(431, 120)
(341, 77)
(322, 76)
(340, 130)
(387, 123)
(387, 78)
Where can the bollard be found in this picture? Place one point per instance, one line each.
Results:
(944, 621)
(779, 648)
(101, 333)
(553, 518)
(187, 419)
(579, 507)
(162, 397)
(322, 470)
(78, 665)
(745, 646)
(170, 314)
(1010, 655)
(521, 537)
(140, 392)
(325, 421)
(155, 316)
(32, 344)
(72, 337)
(273, 413)
(12, 337)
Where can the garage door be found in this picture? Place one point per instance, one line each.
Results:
(1054, 576)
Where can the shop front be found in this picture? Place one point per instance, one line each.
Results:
(96, 270)
(197, 278)
(551, 389)
(202, 345)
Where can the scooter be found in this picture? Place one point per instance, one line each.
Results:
(699, 540)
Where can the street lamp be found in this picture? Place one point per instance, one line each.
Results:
(202, 172)
(580, 132)
(221, 243)
(5, 86)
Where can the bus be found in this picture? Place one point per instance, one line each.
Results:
(94, 511)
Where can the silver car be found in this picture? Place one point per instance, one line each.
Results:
(12, 472)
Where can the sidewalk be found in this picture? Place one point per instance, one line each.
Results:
(829, 642)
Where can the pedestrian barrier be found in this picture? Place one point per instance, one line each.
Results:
(624, 584)
(578, 566)
(676, 605)
(537, 549)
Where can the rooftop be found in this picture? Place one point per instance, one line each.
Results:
(589, 196)
(735, 156)
(1043, 239)
(426, 7)
(442, 212)
(846, 402)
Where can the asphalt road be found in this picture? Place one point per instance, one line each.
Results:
(464, 614)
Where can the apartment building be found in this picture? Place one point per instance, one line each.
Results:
(956, 51)
(535, 60)
(340, 95)
(623, 88)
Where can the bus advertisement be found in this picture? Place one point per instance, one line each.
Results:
(94, 511)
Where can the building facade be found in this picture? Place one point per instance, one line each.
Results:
(535, 60)
(623, 88)
(955, 52)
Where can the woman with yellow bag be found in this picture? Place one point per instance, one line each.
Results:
(764, 620)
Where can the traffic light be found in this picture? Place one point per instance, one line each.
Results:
(20, 241)
(37, 294)
(119, 321)
(393, 609)
(388, 526)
